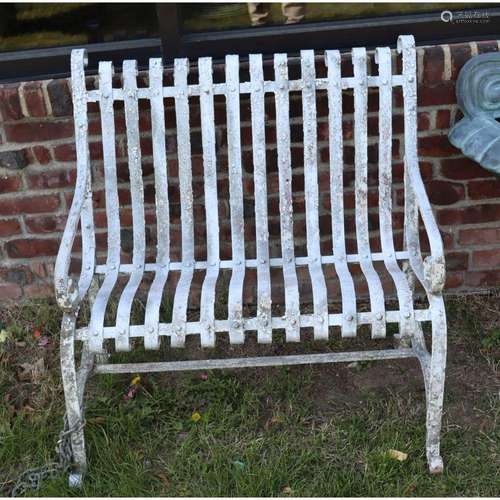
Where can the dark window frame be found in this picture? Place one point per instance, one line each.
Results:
(428, 29)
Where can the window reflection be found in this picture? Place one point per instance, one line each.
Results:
(260, 13)
(37, 25)
(199, 17)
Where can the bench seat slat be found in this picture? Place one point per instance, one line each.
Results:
(347, 290)
(320, 296)
(152, 314)
(137, 200)
(292, 302)
(361, 193)
(112, 207)
(207, 301)
(406, 324)
(179, 310)
(235, 296)
(278, 322)
(264, 331)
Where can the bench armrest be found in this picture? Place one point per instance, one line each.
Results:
(68, 293)
(431, 270)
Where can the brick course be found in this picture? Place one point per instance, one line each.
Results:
(37, 177)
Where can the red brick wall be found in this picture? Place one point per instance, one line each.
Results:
(37, 175)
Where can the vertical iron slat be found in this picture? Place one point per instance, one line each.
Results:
(320, 296)
(361, 192)
(235, 297)
(152, 315)
(131, 103)
(264, 328)
(384, 61)
(207, 302)
(347, 290)
(83, 165)
(413, 181)
(112, 206)
(179, 310)
(292, 303)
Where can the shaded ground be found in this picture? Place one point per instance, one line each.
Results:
(319, 431)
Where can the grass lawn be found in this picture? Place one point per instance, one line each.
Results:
(319, 431)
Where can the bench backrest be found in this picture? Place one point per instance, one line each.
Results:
(181, 92)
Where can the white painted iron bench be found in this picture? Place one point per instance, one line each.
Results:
(404, 267)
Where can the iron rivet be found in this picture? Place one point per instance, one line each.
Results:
(151, 329)
(350, 317)
(213, 263)
(379, 316)
(95, 334)
(265, 322)
(290, 259)
(321, 320)
(407, 315)
(262, 261)
(236, 324)
(88, 268)
(113, 267)
(293, 322)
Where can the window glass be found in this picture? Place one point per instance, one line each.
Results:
(198, 17)
(38, 25)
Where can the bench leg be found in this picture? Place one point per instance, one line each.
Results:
(435, 384)
(72, 393)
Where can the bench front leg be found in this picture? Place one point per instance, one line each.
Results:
(431, 273)
(73, 395)
(435, 383)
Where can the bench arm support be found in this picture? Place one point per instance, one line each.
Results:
(69, 291)
(431, 270)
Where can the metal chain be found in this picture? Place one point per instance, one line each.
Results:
(32, 479)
